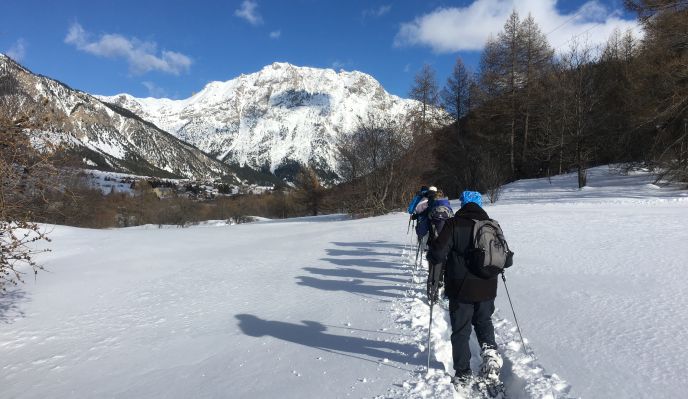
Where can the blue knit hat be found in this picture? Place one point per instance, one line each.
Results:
(471, 196)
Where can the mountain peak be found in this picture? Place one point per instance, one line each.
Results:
(280, 65)
(273, 118)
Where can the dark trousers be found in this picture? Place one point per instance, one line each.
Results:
(462, 316)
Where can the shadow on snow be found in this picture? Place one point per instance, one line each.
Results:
(9, 305)
(315, 335)
(388, 282)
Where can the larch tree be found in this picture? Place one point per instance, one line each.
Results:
(426, 92)
(536, 61)
(309, 192)
(456, 95)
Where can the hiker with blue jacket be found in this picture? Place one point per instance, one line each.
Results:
(438, 212)
(471, 298)
(432, 214)
(421, 196)
(420, 215)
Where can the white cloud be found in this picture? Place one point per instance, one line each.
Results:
(17, 51)
(275, 34)
(452, 29)
(248, 12)
(142, 56)
(155, 90)
(377, 12)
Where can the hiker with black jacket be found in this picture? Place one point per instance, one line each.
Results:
(471, 298)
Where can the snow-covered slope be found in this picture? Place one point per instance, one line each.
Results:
(332, 308)
(282, 113)
(102, 135)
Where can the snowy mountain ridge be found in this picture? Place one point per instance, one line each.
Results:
(268, 119)
(103, 135)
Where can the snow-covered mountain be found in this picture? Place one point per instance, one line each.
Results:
(272, 118)
(103, 135)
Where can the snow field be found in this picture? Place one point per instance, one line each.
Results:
(522, 375)
(291, 309)
(327, 307)
(598, 290)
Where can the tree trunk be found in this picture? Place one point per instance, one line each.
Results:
(561, 150)
(525, 137)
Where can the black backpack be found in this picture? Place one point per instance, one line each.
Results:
(489, 254)
(438, 216)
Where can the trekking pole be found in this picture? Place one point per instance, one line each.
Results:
(415, 264)
(429, 330)
(434, 275)
(408, 229)
(525, 348)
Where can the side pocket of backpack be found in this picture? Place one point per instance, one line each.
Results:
(509, 259)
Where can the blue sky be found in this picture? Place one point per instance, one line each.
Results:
(173, 48)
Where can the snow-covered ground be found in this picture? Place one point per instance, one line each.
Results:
(332, 307)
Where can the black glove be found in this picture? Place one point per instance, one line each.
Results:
(434, 282)
(414, 216)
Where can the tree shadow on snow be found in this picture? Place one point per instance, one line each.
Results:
(351, 272)
(388, 282)
(363, 262)
(352, 285)
(360, 251)
(9, 305)
(371, 248)
(370, 244)
(315, 335)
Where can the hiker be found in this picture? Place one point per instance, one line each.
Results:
(432, 215)
(438, 212)
(471, 298)
(420, 215)
(420, 195)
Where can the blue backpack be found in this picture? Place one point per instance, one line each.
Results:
(414, 202)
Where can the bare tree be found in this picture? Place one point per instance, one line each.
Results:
(512, 66)
(379, 147)
(455, 96)
(26, 174)
(581, 97)
(663, 116)
(510, 42)
(492, 176)
(536, 60)
(425, 91)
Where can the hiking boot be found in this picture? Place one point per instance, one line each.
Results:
(491, 365)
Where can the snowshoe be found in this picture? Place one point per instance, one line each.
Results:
(463, 383)
(488, 381)
(491, 365)
(489, 389)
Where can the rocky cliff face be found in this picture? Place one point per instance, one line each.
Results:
(104, 135)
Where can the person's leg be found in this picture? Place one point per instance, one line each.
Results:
(460, 315)
(482, 321)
